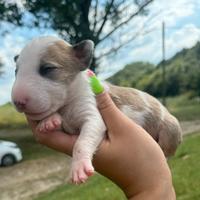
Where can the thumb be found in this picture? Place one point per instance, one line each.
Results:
(114, 119)
(103, 99)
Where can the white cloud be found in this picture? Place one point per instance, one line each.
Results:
(186, 37)
(172, 12)
(5, 91)
(148, 47)
(11, 45)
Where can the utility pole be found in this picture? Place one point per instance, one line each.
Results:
(163, 66)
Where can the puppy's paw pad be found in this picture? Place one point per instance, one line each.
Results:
(51, 123)
(81, 170)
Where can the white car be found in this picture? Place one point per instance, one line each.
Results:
(10, 153)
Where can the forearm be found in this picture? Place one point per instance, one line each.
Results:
(59, 141)
(142, 167)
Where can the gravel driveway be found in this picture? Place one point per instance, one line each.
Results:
(29, 178)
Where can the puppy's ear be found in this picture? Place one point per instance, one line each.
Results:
(84, 52)
(16, 57)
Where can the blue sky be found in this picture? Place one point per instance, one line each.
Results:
(182, 31)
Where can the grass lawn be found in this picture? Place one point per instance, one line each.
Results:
(10, 118)
(97, 188)
(184, 166)
(183, 108)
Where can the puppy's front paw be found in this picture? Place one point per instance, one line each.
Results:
(50, 123)
(81, 170)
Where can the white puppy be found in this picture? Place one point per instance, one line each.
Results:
(52, 86)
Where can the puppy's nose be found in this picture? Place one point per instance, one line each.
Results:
(21, 105)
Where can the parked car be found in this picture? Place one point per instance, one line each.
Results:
(10, 153)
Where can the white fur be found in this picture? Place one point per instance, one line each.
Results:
(81, 113)
(40, 92)
(143, 96)
(162, 112)
(74, 102)
(137, 116)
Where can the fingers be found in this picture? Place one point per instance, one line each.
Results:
(56, 140)
(104, 102)
(112, 116)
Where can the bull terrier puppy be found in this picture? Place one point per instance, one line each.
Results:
(52, 87)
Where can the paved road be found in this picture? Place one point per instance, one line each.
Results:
(189, 127)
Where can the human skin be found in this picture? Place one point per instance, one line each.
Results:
(128, 155)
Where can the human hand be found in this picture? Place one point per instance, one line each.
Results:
(128, 155)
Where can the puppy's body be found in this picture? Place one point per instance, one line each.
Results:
(51, 85)
(149, 113)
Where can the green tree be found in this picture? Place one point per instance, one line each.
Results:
(76, 20)
(131, 74)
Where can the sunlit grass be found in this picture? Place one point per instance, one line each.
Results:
(97, 188)
(185, 168)
(10, 118)
(184, 108)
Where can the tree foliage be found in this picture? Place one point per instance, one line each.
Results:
(76, 20)
(132, 74)
(182, 74)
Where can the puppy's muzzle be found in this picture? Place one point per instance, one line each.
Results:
(21, 104)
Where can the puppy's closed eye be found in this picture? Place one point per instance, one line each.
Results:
(15, 58)
(47, 70)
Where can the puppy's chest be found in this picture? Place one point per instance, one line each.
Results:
(75, 114)
(71, 122)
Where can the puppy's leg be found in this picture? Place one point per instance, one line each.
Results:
(170, 135)
(90, 137)
(51, 123)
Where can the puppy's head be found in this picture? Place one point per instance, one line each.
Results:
(45, 69)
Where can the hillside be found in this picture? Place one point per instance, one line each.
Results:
(131, 74)
(182, 74)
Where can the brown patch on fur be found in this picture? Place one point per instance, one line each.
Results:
(59, 53)
(156, 105)
(170, 133)
(62, 56)
(126, 96)
(166, 131)
(153, 119)
(131, 97)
